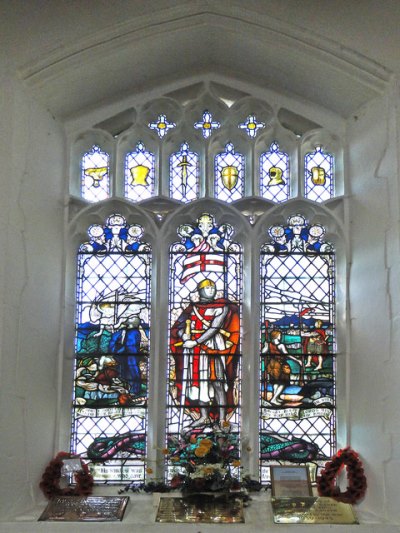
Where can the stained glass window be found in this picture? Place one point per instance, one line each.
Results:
(95, 175)
(205, 295)
(201, 297)
(139, 174)
(184, 174)
(109, 428)
(297, 346)
(274, 174)
(319, 175)
(229, 174)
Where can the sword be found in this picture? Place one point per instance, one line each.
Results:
(185, 356)
(184, 176)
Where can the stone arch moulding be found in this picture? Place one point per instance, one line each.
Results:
(278, 56)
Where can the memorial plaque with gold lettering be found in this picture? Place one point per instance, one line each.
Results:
(312, 511)
(201, 509)
(89, 509)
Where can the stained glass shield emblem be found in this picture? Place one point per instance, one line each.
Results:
(229, 174)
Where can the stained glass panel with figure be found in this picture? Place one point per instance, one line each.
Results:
(109, 428)
(297, 380)
(205, 295)
(95, 175)
(184, 174)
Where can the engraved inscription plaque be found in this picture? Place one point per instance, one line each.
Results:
(89, 509)
(200, 510)
(312, 511)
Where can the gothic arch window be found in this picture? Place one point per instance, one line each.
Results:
(219, 178)
(204, 363)
(112, 345)
(298, 345)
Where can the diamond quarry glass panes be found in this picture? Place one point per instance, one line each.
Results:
(184, 174)
(319, 175)
(139, 174)
(109, 428)
(297, 346)
(95, 175)
(204, 362)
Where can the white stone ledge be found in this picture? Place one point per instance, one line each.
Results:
(141, 513)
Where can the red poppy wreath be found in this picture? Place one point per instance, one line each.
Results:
(357, 482)
(50, 483)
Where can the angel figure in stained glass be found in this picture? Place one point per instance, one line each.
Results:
(116, 233)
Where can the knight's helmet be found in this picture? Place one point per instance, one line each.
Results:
(205, 283)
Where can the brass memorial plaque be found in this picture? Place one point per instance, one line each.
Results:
(212, 510)
(89, 509)
(312, 511)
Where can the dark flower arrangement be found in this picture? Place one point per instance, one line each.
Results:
(203, 462)
(357, 482)
(50, 482)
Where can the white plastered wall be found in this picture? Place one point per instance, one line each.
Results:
(374, 299)
(32, 170)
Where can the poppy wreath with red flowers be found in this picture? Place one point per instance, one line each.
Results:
(357, 482)
(50, 483)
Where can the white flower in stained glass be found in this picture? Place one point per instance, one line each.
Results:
(207, 125)
(276, 231)
(251, 125)
(161, 126)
